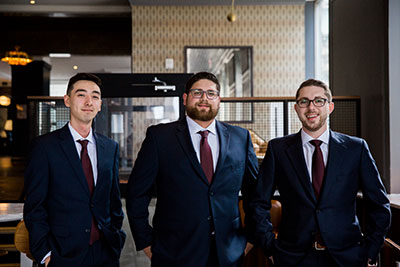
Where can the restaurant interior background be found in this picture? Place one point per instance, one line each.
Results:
(353, 45)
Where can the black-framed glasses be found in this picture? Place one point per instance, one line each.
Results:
(198, 93)
(305, 102)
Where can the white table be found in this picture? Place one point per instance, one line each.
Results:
(394, 200)
(11, 211)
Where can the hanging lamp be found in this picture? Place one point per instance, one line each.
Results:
(16, 57)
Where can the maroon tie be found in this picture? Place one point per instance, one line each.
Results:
(87, 169)
(206, 159)
(318, 167)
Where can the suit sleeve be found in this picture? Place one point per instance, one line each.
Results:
(260, 204)
(248, 184)
(377, 203)
(35, 208)
(140, 183)
(116, 213)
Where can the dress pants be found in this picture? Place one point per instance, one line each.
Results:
(99, 256)
(318, 258)
(212, 255)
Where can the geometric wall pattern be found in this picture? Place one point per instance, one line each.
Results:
(276, 33)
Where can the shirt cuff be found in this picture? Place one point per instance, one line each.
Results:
(45, 257)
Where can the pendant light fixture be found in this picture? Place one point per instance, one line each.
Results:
(232, 16)
(16, 57)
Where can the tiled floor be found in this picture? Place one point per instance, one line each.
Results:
(129, 256)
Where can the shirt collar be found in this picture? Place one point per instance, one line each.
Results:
(194, 127)
(305, 138)
(76, 136)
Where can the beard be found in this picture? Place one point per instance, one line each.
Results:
(201, 115)
(314, 126)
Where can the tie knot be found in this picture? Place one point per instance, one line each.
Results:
(83, 143)
(316, 143)
(204, 134)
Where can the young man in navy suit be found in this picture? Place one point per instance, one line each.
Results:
(73, 209)
(198, 165)
(319, 173)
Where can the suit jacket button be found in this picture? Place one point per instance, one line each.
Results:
(92, 205)
(318, 211)
(211, 193)
(87, 230)
(209, 218)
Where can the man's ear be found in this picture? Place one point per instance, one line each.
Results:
(296, 107)
(331, 107)
(184, 97)
(66, 101)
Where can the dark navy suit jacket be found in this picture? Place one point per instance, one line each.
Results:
(58, 208)
(187, 205)
(350, 168)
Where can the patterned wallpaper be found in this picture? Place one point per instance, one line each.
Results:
(276, 33)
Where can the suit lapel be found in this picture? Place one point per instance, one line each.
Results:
(336, 149)
(102, 156)
(69, 148)
(224, 139)
(183, 135)
(296, 156)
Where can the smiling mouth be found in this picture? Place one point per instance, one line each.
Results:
(311, 116)
(203, 105)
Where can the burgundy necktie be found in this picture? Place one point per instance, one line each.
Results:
(206, 159)
(87, 169)
(318, 167)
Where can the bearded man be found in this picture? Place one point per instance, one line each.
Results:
(198, 166)
(318, 173)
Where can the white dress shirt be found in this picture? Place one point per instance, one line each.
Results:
(212, 138)
(91, 147)
(308, 148)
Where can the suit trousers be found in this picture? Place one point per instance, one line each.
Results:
(99, 255)
(318, 258)
(313, 258)
(212, 255)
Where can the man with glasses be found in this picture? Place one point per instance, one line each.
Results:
(318, 173)
(198, 165)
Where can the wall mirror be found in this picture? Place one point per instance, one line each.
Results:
(231, 65)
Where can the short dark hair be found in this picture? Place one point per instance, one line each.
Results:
(318, 83)
(200, 76)
(82, 77)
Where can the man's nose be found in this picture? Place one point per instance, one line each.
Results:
(88, 100)
(311, 106)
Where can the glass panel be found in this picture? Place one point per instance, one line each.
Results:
(231, 65)
(128, 120)
(322, 40)
(52, 115)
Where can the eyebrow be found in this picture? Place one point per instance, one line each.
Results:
(313, 98)
(84, 90)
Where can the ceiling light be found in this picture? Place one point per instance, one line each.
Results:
(16, 57)
(32, 2)
(58, 15)
(75, 67)
(61, 55)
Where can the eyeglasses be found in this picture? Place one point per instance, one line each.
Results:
(317, 102)
(198, 93)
